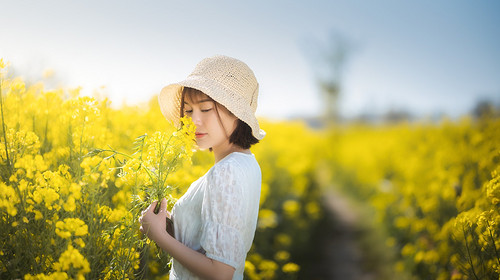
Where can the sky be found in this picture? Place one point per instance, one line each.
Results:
(425, 57)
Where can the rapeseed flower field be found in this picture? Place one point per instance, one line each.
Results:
(75, 174)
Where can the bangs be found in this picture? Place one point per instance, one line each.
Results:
(192, 95)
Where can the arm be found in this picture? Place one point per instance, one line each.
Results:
(153, 225)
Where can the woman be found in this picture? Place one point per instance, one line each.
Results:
(215, 220)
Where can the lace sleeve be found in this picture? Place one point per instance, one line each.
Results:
(222, 215)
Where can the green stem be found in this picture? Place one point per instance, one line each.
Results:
(4, 128)
(140, 149)
(81, 137)
(172, 163)
(160, 166)
(494, 245)
(117, 153)
(70, 143)
(469, 257)
(46, 132)
(149, 173)
(161, 179)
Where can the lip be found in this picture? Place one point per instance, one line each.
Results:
(199, 135)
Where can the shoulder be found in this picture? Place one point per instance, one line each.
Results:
(237, 162)
(237, 166)
(230, 165)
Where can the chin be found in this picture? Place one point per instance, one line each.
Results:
(202, 148)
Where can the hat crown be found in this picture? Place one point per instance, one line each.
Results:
(231, 74)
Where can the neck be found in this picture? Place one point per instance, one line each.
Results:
(222, 152)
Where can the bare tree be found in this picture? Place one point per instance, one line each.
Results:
(329, 63)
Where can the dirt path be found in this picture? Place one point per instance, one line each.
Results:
(337, 253)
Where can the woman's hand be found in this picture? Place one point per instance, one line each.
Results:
(154, 225)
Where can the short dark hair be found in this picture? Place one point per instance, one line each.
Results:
(242, 134)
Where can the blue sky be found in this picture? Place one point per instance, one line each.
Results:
(422, 56)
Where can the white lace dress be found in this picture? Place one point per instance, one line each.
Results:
(218, 213)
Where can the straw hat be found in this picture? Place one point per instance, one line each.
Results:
(228, 81)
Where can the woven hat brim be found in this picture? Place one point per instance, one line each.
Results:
(170, 101)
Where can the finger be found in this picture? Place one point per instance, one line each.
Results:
(163, 205)
(152, 207)
(143, 212)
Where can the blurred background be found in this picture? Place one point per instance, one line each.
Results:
(424, 59)
(381, 159)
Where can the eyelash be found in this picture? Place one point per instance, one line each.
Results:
(204, 111)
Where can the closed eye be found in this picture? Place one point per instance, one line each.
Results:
(206, 110)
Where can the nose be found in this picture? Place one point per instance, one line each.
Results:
(196, 117)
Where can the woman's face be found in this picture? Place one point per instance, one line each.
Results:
(212, 129)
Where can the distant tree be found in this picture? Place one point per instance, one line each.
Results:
(329, 62)
(394, 116)
(484, 109)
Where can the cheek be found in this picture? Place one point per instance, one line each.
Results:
(212, 120)
(230, 125)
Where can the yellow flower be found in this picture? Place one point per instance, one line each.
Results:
(50, 276)
(40, 163)
(8, 199)
(104, 211)
(70, 205)
(18, 85)
(38, 215)
(291, 208)
(282, 256)
(493, 188)
(250, 270)
(267, 269)
(50, 196)
(290, 268)
(90, 163)
(267, 219)
(2, 64)
(313, 209)
(13, 178)
(283, 239)
(59, 276)
(23, 185)
(72, 259)
(117, 214)
(71, 226)
(76, 190)
(59, 230)
(37, 197)
(40, 276)
(80, 242)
